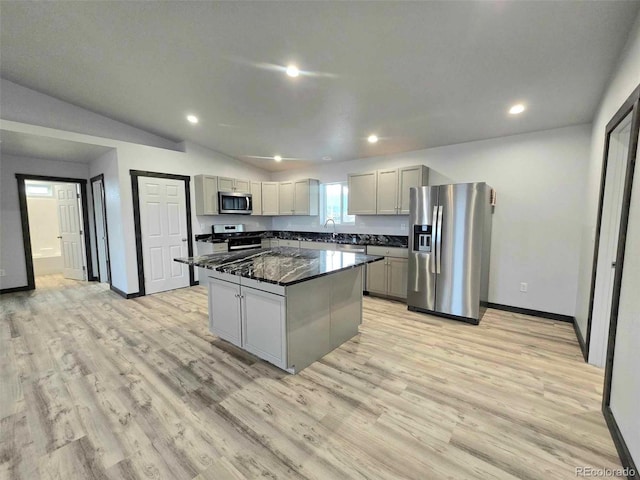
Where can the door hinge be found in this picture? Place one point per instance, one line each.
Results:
(84, 268)
(77, 195)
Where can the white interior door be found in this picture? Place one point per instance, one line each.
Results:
(163, 222)
(608, 246)
(101, 240)
(70, 231)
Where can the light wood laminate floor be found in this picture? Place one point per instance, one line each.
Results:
(95, 386)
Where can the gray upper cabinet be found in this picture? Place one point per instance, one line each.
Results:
(206, 193)
(299, 197)
(394, 185)
(270, 203)
(362, 193)
(285, 193)
(306, 197)
(256, 196)
(226, 184)
(386, 191)
(408, 177)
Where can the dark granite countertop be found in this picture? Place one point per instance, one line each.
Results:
(280, 265)
(343, 238)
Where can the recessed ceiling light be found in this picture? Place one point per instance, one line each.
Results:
(516, 109)
(277, 158)
(192, 119)
(372, 139)
(292, 71)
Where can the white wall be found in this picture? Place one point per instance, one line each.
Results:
(21, 104)
(540, 180)
(625, 388)
(43, 225)
(623, 81)
(11, 247)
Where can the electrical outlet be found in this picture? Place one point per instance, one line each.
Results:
(2, 273)
(523, 287)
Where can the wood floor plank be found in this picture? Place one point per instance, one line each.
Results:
(96, 386)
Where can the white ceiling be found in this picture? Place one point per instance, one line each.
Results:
(35, 146)
(419, 74)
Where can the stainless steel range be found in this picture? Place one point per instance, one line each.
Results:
(236, 238)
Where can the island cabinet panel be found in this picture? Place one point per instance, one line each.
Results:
(224, 310)
(264, 325)
(346, 306)
(308, 321)
(270, 203)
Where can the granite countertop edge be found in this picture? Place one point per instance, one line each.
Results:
(221, 269)
(320, 237)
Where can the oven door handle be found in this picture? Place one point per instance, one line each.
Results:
(244, 247)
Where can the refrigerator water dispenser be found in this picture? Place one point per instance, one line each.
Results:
(422, 238)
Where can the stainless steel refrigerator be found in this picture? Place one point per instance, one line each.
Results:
(449, 247)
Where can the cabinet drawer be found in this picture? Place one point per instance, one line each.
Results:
(290, 243)
(227, 277)
(264, 286)
(388, 251)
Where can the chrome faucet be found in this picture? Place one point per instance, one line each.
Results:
(333, 235)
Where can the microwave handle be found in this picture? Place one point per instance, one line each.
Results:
(248, 203)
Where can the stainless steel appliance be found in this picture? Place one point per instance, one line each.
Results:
(235, 237)
(449, 247)
(235, 202)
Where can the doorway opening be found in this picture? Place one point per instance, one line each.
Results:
(162, 221)
(55, 227)
(101, 231)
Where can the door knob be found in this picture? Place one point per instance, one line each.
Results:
(184, 239)
(613, 265)
(59, 236)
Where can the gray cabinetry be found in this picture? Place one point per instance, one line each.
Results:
(388, 278)
(224, 310)
(270, 203)
(362, 193)
(264, 325)
(256, 197)
(386, 191)
(226, 184)
(206, 194)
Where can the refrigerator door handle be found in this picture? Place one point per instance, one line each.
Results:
(434, 240)
(439, 240)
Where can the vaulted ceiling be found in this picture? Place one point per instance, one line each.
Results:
(417, 74)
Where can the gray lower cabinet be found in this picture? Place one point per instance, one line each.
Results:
(249, 318)
(263, 325)
(224, 310)
(388, 278)
(290, 327)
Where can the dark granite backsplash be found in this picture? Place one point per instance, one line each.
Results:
(352, 238)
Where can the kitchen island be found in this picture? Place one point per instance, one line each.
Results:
(288, 306)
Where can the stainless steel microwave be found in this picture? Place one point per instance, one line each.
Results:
(233, 202)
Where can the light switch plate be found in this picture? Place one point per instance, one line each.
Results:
(2, 272)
